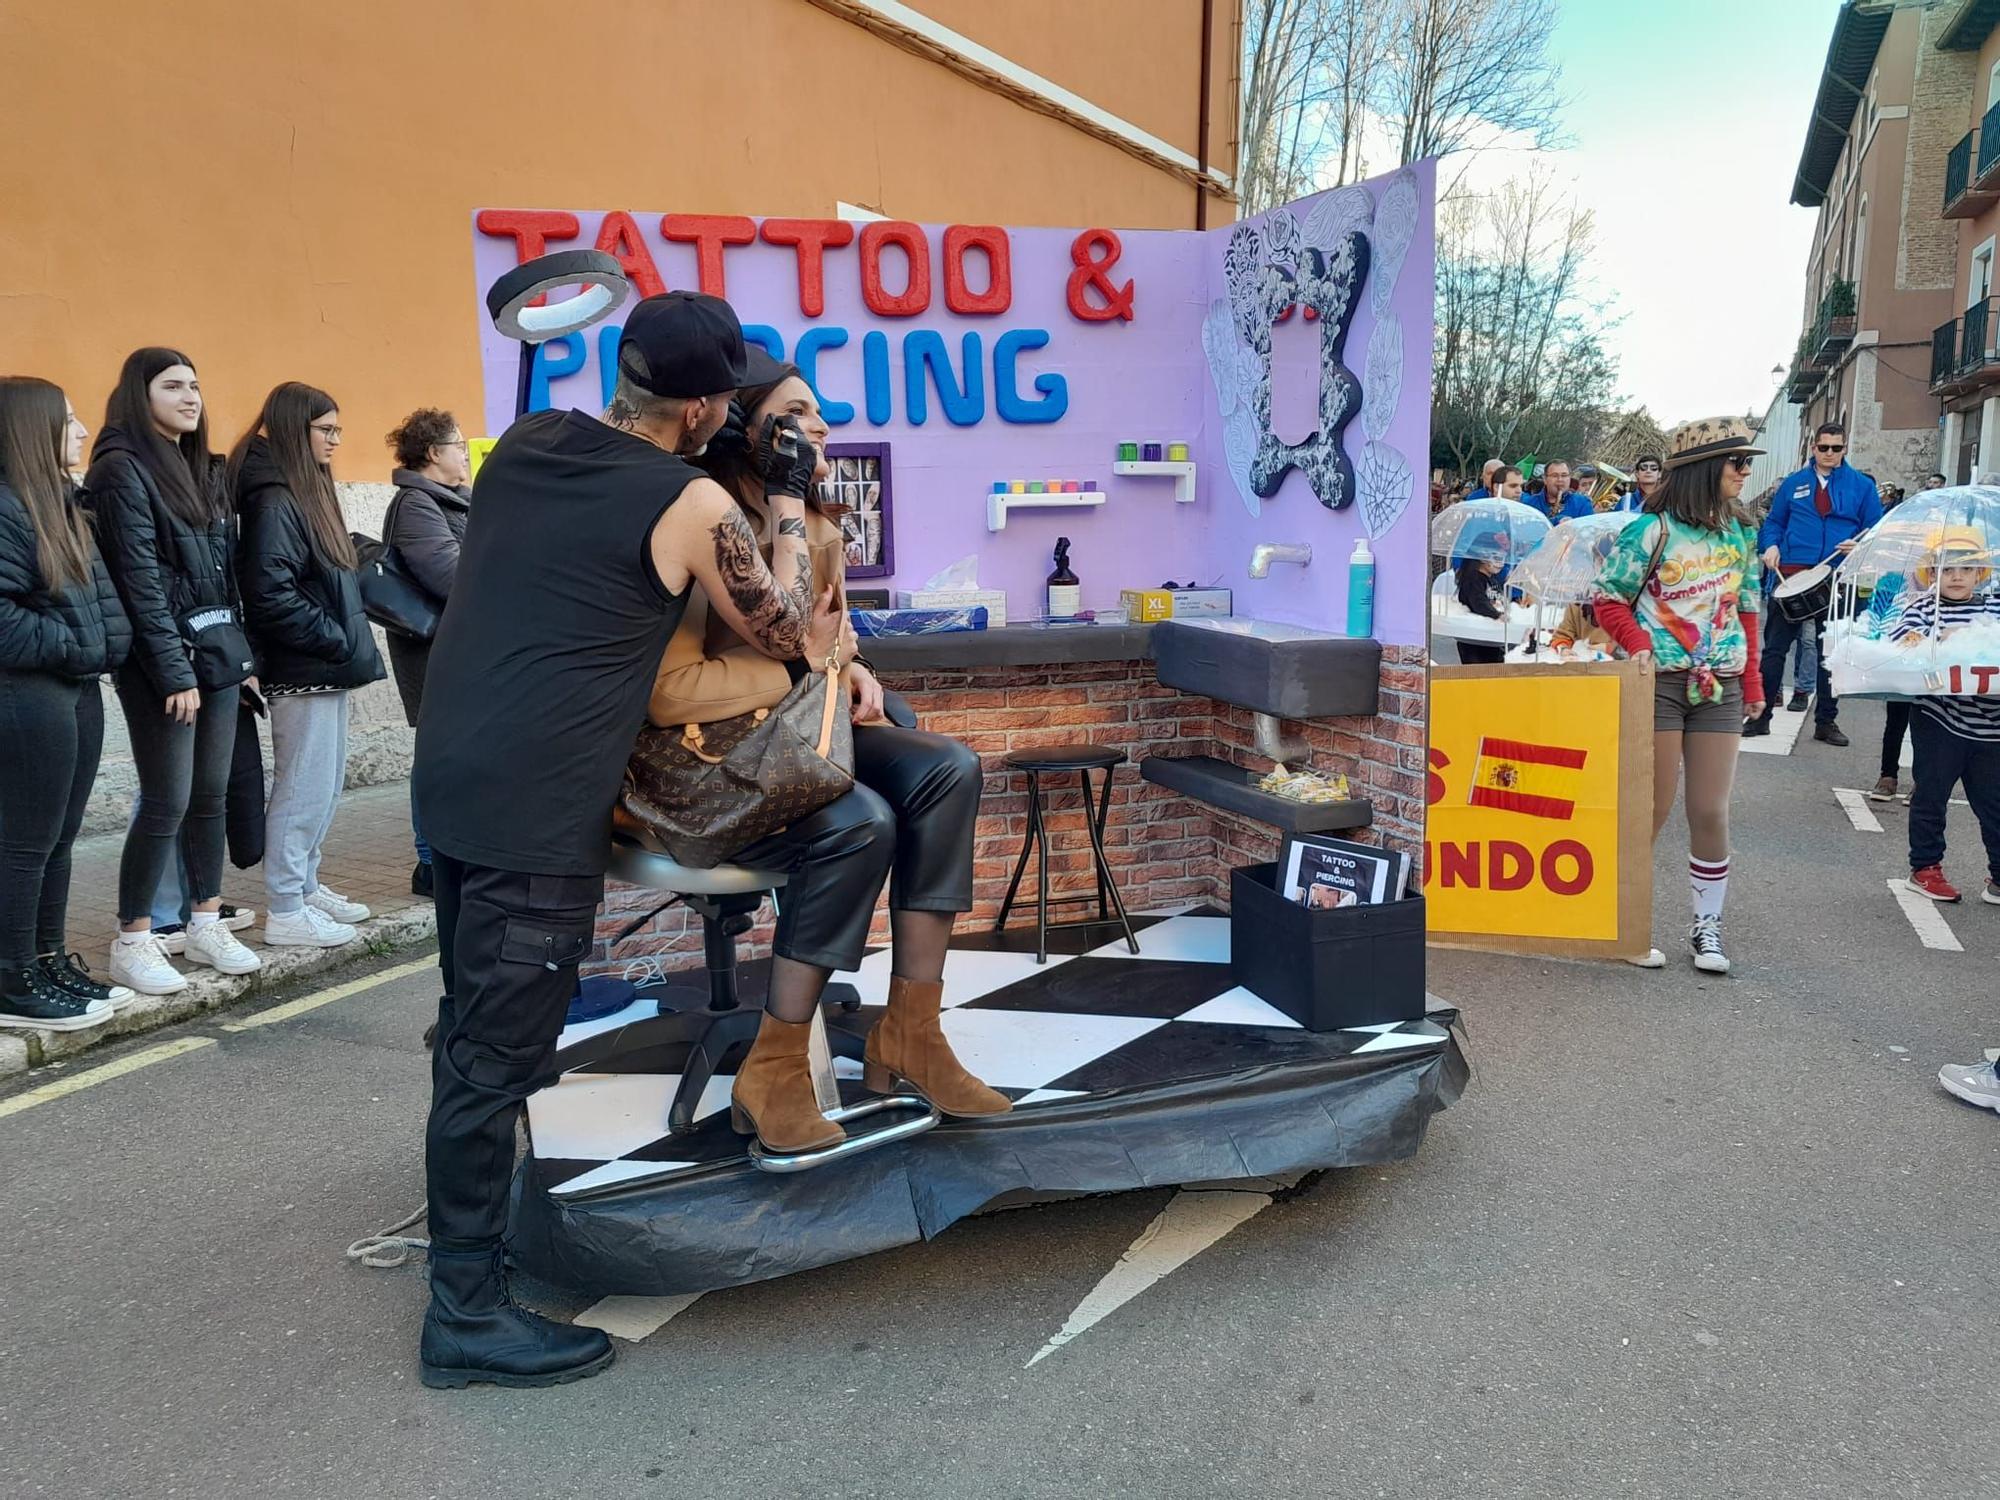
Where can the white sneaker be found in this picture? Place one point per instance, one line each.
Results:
(1975, 1083)
(337, 906)
(143, 966)
(1652, 958)
(308, 927)
(215, 945)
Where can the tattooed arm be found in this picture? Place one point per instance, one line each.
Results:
(705, 537)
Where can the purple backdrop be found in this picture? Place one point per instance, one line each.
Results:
(1144, 380)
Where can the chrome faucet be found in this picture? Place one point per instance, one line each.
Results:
(1265, 553)
(1274, 744)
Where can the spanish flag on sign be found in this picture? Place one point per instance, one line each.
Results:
(1516, 776)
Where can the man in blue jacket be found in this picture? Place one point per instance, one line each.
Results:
(1816, 514)
(1561, 502)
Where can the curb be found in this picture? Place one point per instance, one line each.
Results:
(209, 991)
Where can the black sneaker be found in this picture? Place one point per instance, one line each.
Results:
(421, 882)
(66, 972)
(30, 1001)
(1705, 938)
(1754, 727)
(1798, 703)
(1829, 734)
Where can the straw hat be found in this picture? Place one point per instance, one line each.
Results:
(1711, 437)
(1953, 547)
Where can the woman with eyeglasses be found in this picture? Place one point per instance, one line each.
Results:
(1681, 588)
(302, 602)
(61, 628)
(156, 493)
(426, 524)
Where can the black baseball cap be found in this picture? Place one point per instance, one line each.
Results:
(692, 345)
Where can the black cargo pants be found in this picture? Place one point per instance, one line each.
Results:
(509, 945)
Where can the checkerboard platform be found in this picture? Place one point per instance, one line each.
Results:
(1126, 1072)
(1094, 1021)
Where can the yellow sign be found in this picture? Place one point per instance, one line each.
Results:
(476, 450)
(1538, 833)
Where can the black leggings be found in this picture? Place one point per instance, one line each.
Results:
(183, 780)
(51, 733)
(909, 817)
(1895, 726)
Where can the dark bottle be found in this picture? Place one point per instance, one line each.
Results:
(1065, 593)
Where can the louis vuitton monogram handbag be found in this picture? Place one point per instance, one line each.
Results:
(704, 791)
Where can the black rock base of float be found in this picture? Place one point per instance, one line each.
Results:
(1126, 1072)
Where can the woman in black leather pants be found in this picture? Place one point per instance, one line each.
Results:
(909, 817)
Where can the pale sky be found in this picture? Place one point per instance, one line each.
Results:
(1688, 118)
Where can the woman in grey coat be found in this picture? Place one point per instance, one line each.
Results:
(426, 524)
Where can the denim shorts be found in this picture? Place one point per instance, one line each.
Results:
(1671, 709)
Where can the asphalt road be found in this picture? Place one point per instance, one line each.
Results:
(1683, 1237)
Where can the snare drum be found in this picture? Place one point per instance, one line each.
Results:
(1805, 596)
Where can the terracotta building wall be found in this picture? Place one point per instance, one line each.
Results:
(286, 191)
(1974, 232)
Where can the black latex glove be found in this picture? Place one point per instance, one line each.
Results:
(786, 457)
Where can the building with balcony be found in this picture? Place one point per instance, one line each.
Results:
(1879, 149)
(1965, 347)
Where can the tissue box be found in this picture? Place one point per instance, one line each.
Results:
(1146, 605)
(993, 600)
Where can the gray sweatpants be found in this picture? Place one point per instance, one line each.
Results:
(309, 767)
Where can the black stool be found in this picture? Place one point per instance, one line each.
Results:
(1057, 760)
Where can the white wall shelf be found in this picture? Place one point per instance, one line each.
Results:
(997, 506)
(1181, 471)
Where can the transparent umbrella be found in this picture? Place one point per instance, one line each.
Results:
(1566, 562)
(1502, 531)
(1902, 539)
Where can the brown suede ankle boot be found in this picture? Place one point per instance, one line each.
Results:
(773, 1097)
(909, 1043)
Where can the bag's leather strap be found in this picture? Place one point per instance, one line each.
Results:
(832, 706)
(693, 743)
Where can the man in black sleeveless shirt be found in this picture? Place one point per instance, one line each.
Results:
(584, 542)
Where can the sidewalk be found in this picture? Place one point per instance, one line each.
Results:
(368, 859)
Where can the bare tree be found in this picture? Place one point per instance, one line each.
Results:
(1324, 80)
(1461, 72)
(1520, 365)
(1283, 53)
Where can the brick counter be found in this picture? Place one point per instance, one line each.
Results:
(1166, 848)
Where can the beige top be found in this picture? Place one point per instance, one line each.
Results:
(711, 673)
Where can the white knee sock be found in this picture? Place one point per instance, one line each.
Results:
(1710, 886)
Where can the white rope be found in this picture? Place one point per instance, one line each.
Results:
(387, 1250)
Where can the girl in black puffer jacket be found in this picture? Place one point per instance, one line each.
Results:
(61, 628)
(163, 521)
(302, 600)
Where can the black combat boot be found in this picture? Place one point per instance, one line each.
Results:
(473, 1331)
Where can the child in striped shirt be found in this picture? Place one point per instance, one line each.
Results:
(1954, 739)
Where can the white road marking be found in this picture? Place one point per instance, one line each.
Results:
(634, 1318)
(314, 1001)
(1785, 730)
(1188, 1225)
(76, 1083)
(1932, 929)
(1858, 812)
